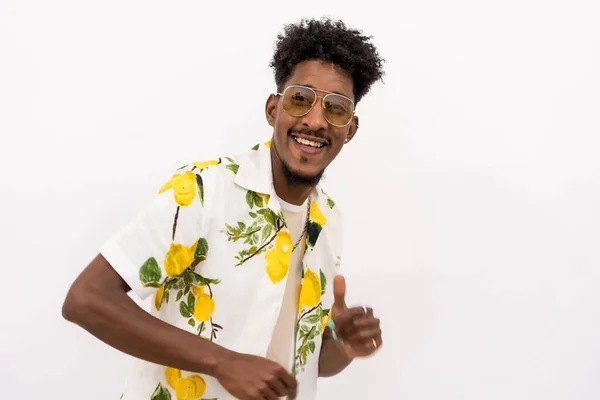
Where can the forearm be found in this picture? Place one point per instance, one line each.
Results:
(117, 320)
(333, 358)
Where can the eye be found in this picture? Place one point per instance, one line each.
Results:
(337, 108)
(298, 99)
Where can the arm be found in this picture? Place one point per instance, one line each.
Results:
(333, 358)
(98, 302)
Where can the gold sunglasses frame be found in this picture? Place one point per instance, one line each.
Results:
(322, 103)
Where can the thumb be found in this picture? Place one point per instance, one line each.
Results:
(339, 291)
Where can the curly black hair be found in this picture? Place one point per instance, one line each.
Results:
(328, 41)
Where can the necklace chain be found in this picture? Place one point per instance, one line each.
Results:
(305, 225)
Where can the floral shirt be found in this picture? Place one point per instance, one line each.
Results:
(212, 250)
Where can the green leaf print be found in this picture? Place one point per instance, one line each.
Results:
(184, 310)
(313, 232)
(229, 159)
(200, 189)
(250, 198)
(192, 322)
(312, 319)
(179, 295)
(256, 147)
(161, 393)
(233, 168)
(258, 200)
(150, 272)
(197, 280)
(202, 248)
(266, 232)
(191, 301)
(330, 203)
(311, 347)
(323, 281)
(270, 217)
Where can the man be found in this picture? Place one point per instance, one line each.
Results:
(240, 255)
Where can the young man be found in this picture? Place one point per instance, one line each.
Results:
(240, 255)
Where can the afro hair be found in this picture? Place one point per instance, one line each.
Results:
(328, 41)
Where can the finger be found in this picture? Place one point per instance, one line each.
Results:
(365, 347)
(278, 386)
(342, 319)
(360, 324)
(339, 291)
(363, 336)
(347, 322)
(288, 380)
(267, 393)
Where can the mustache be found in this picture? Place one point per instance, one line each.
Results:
(308, 132)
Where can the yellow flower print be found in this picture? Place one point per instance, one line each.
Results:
(190, 388)
(265, 198)
(310, 293)
(324, 321)
(184, 188)
(159, 296)
(204, 307)
(268, 143)
(316, 215)
(178, 258)
(278, 257)
(173, 376)
(186, 388)
(204, 164)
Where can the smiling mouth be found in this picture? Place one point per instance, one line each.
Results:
(307, 142)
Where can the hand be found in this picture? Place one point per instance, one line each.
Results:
(249, 377)
(357, 327)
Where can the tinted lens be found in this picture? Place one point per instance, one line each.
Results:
(338, 109)
(297, 101)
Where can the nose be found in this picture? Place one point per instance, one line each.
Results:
(315, 118)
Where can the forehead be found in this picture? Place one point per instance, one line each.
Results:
(323, 76)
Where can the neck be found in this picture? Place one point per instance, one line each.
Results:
(290, 192)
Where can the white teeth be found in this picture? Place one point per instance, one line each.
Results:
(308, 142)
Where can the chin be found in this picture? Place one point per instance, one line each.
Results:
(303, 176)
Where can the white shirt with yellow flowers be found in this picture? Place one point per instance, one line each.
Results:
(214, 251)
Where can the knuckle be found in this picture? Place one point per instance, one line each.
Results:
(262, 387)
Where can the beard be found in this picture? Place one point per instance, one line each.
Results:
(294, 179)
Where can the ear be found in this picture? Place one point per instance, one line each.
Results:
(271, 109)
(352, 129)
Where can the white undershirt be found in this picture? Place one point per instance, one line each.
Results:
(281, 347)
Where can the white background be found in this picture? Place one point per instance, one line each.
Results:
(471, 192)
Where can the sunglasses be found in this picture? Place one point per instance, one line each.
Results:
(298, 101)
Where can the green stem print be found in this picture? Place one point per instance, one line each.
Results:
(307, 329)
(260, 233)
(175, 222)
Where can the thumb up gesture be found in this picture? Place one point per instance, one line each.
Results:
(357, 327)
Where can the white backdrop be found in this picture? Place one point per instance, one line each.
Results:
(471, 192)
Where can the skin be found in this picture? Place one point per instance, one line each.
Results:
(98, 301)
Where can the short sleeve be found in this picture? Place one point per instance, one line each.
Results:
(165, 237)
